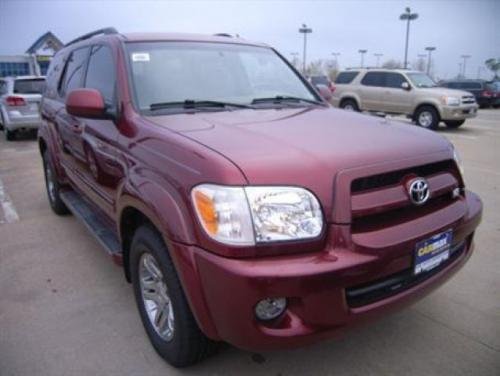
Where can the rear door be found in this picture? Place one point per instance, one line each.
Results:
(371, 89)
(396, 99)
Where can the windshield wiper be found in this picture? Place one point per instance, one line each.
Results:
(192, 104)
(285, 98)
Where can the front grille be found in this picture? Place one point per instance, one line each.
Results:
(373, 291)
(395, 177)
(468, 99)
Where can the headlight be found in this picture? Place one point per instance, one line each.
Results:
(250, 215)
(451, 101)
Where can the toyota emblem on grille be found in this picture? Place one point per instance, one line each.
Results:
(418, 190)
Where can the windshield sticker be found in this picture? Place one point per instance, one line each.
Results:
(140, 56)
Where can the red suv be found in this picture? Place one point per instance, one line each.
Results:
(242, 207)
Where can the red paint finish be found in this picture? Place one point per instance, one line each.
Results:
(132, 163)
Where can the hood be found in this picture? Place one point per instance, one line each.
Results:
(275, 146)
(440, 91)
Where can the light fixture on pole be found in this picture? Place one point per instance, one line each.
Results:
(304, 30)
(362, 53)
(465, 57)
(429, 50)
(378, 56)
(407, 16)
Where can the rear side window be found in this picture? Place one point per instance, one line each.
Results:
(373, 79)
(31, 86)
(346, 77)
(394, 80)
(472, 85)
(320, 80)
(3, 87)
(73, 72)
(101, 72)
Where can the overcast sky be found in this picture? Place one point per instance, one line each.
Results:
(454, 27)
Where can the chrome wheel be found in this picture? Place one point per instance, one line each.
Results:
(155, 297)
(51, 186)
(349, 107)
(425, 119)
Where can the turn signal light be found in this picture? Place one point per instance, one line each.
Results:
(207, 212)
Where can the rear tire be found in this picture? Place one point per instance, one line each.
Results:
(349, 105)
(53, 187)
(427, 117)
(454, 123)
(173, 332)
(9, 135)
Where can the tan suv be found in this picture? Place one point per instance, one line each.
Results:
(405, 92)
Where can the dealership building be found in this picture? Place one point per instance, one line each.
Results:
(35, 61)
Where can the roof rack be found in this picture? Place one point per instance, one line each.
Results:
(227, 35)
(105, 31)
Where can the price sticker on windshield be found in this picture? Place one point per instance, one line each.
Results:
(140, 56)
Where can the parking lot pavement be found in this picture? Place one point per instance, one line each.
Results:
(65, 309)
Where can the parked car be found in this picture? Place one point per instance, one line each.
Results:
(241, 206)
(483, 91)
(322, 80)
(495, 87)
(400, 91)
(20, 104)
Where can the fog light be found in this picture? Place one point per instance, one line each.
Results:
(270, 308)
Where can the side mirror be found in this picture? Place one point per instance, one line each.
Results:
(405, 86)
(86, 103)
(325, 92)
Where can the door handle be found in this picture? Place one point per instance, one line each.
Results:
(77, 128)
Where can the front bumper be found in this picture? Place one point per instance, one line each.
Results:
(458, 112)
(314, 284)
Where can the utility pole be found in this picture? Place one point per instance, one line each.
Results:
(362, 53)
(407, 16)
(429, 50)
(304, 30)
(465, 57)
(378, 56)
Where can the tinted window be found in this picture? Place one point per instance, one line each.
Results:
(471, 85)
(373, 79)
(35, 86)
(394, 80)
(3, 87)
(73, 73)
(345, 77)
(101, 72)
(320, 80)
(453, 85)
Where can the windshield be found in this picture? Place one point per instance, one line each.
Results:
(421, 80)
(164, 72)
(30, 86)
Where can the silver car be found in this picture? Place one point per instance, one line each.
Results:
(20, 99)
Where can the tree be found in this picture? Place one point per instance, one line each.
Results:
(493, 65)
(392, 64)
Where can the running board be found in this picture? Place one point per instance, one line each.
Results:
(104, 234)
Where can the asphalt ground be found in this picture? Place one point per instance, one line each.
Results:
(65, 309)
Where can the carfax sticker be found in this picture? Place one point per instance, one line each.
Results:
(140, 56)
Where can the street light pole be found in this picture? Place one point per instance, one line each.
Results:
(336, 56)
(465, 57)
(429, 50)
(362, 53)
(304, 30)
(407, 16)
(378, 56)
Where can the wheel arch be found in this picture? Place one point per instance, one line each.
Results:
(435, 106)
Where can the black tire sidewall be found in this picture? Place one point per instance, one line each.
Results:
(454, 124)
(148, 240)
(57, 205)
(352, 102)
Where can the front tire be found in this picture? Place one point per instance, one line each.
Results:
(427, 117)
(165, 313)
(454, 123)
(349, 105)
(53, 187)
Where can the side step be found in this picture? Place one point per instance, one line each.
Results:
(105, 234)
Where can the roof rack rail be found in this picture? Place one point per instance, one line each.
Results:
(227, 35)
(106, 30)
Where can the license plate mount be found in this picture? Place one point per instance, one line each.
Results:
(432, 252)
